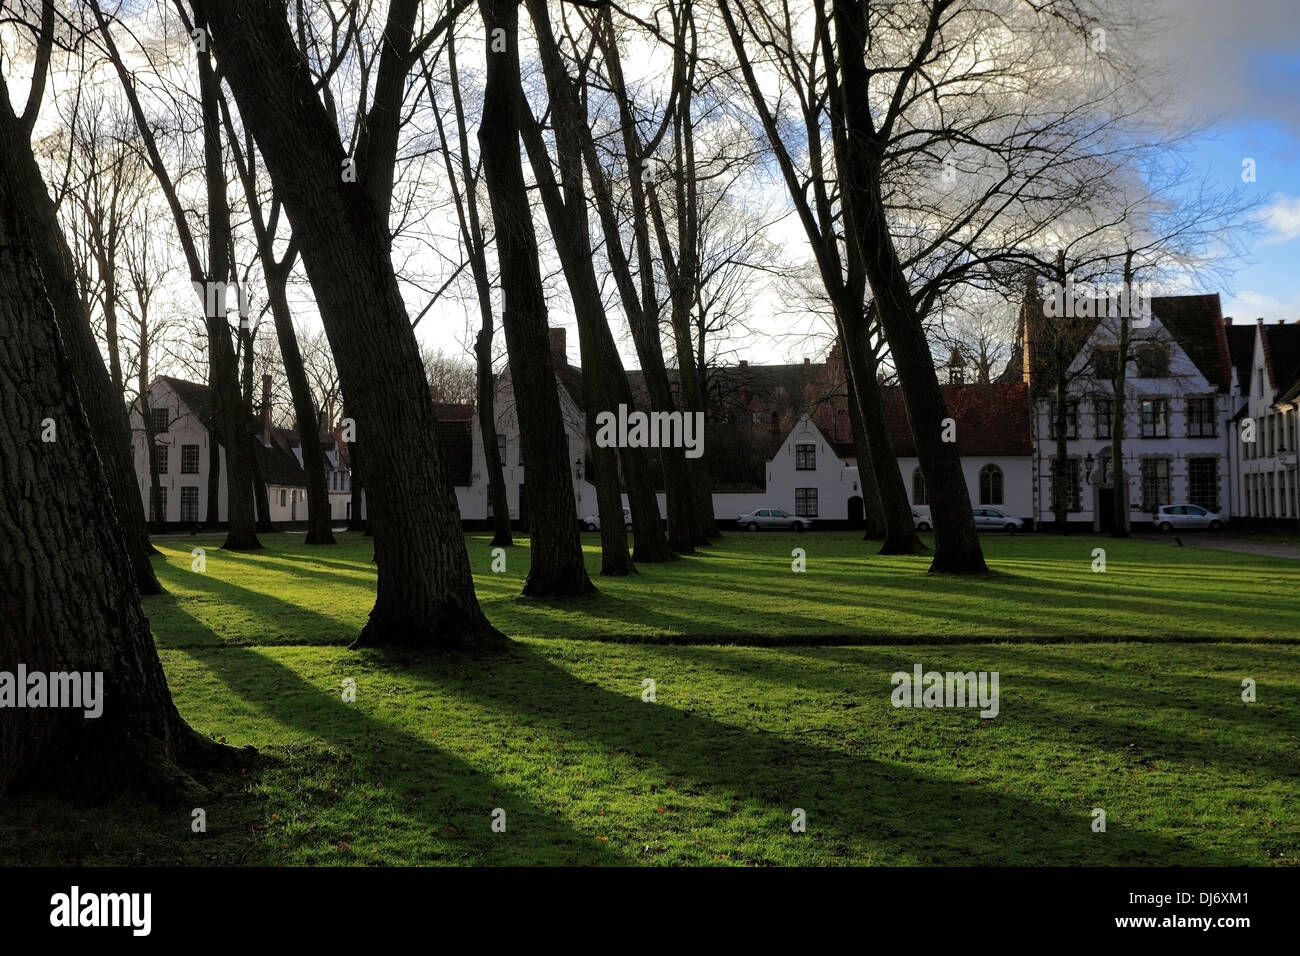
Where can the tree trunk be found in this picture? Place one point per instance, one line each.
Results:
(642, 309)
(604, 381)
(212, 516)
(355, 521)
(556, 568)
(487, 426)
(957, 548)
(425, 594)
(872, 510)
(860, 370)
(102, 403)
(319, 525)
(1061, 462)
(68, 594)
(253, 440)
(150, 439)
(1119, 478)
(241, 533)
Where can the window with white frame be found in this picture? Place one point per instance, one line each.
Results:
(1155, 483)
(1200, 416)
(190, 504)
(805, 502)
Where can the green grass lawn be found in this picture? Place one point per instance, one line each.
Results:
(743, 590)
(555, 731)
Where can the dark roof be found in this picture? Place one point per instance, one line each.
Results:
(991, 420)
(1291, 395)
(452, 412)
(278, 463)
(570, 379)
(197, 397)
(1196, 324)
(1281, 354)
(1241, 351)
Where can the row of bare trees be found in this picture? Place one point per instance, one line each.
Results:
(926, 148)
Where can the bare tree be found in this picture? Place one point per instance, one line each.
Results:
(557, 566)
(209, 280)
(339, 207)
(464, 179)
(102, 403)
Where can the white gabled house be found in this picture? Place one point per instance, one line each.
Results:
(813, 477)
(1177, 407)
(180, 413)
(1266, 366)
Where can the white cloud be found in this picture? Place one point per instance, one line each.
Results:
(1282, 217)
(1247, 305)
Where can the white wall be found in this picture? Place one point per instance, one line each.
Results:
(1017, 483)
(1183, 381)
(183, 429)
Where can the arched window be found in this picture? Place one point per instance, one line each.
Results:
(918, 487)
(990, 485)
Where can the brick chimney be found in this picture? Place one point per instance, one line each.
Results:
(266, 410)
(559, 347)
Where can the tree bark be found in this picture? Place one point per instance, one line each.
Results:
(212, 515)
(844, 278)
(487, 423)
(1119, 479)
(872, 507)
(642, 307)
(319, 525)
(556, 568)
(425, 589)
(605, 383)
(860, 369)
(68, 595)
(956, 543)
(102, 403)
(471, 227)
(150, 439)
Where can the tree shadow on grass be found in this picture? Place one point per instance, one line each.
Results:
(305, 625)
(434, 788)
(853, 798)
(1091, 730)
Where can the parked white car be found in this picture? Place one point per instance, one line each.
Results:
(1182, 517)
(592, 522)
(991, 519)
(921, 521)
(765, 518)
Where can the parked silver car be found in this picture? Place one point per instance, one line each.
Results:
(921, 521)
(1181, 517)
(592, 522)
(991, 519)
(765, 518)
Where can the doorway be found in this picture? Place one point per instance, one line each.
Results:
(856, 517)
(1105, 509)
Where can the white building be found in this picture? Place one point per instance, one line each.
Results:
(814, 477)
(180, 412)
(1177, 406)
(1266, 361)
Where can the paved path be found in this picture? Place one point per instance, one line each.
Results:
(1218, 542)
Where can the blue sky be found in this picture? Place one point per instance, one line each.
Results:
(1238, 66)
